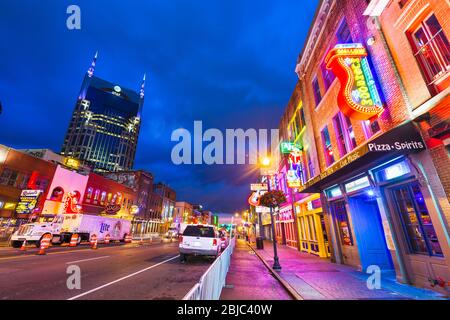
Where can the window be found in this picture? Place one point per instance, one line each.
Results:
(57, 194)
(8, 177)
(343, 34)
(344, 133)
(370, 129)
(343, 223)
(432, 50)
(350, 133)
(103, 198)
(96, 195)
(340, 135)
(316, 91)
(89, 194)
(415, 220)
(327, 75)
(327, 148)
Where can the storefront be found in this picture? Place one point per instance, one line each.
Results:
(382, 211)
(312, 233)
(266, 225)
(286, 233)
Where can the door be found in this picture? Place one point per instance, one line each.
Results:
(369, 232)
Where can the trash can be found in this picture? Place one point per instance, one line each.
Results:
(259, 243)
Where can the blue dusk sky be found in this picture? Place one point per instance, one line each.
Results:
(227, 63)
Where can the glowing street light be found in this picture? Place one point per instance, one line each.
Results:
(265, 164)
(266, 161)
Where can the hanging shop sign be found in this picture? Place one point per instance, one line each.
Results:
(262, 209)
(286, 147)
(402, 140)
(293, 174)
(72, 163)
(255, 198)
(358, 96)
(258, 187)
(28, 201)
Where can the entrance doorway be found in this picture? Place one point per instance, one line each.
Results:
(369, 233)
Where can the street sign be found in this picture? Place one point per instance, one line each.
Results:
(258, 187)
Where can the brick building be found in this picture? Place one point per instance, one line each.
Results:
(21, 171)
(374, 170)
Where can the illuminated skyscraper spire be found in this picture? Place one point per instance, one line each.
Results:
(87, 78)
(141, 95)
(91, 69)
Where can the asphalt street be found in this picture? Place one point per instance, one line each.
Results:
(132, 271)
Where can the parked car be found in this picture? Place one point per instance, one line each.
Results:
(199, 240)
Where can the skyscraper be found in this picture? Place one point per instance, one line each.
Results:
(105, 124)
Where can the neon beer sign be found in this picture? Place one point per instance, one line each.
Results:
(358, 97)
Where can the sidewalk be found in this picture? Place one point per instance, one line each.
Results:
(249, 279)
(318, 279)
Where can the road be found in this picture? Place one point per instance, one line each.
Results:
(137, 272)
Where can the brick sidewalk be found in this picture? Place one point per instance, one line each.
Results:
(319, 279)
(249, 279)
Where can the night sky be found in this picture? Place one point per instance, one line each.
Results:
(228, 63)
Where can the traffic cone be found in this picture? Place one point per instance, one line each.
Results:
(45, 243)
(94, 242)
(23, 247)
(74, 240)
(107, 239)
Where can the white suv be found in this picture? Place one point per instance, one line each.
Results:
(199, 240)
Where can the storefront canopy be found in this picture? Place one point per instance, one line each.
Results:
(404, 139)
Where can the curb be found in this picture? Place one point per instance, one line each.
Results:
(283, 282)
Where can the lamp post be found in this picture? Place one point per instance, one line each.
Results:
(276, 263)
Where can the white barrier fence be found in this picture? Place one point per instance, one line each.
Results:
(213, 280)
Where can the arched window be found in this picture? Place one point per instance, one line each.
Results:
(89, 193)
(103, 198)
(109, 197)
(96, 195)
(57, 194)
(119, 198)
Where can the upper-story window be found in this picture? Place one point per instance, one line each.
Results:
(316, 91)
(432, 51)
(344, 134)
(370, 128)
(89, 193)
(327, 148)
(343, 34)
(327, 75)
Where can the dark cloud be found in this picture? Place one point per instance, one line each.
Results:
(227, 63)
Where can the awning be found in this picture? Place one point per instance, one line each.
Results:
(402, 140)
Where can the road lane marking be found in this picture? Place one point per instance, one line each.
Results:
(86, 249)
(84, 260)
(123, 278)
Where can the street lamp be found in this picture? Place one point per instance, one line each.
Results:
(265, 163)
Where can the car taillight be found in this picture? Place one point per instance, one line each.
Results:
(215, 242)
(180, 238)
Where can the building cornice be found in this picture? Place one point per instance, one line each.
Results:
(315, 34)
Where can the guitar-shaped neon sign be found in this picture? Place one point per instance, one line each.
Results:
(358, 97)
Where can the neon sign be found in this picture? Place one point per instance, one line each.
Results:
(287, 147)
(358, 96)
